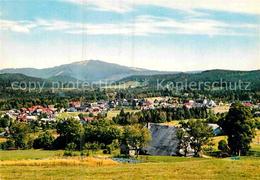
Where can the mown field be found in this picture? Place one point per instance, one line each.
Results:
(149, 168)
(110, 114)
(114, 113)
(28, 154)
(40, 164)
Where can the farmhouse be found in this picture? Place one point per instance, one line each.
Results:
(164, 140)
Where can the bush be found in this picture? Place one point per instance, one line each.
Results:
(5, 121)
(92, 146)
(102, 132)
(69, 153)
(44, 141)
(9, 144)
(113, 146)
(19, 132)
(223, 147)
(69, 149)
(70, 131)
(2, 130)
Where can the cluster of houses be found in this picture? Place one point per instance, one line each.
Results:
(175, 102)
(96, 107)
(48, 114)
(200, 103)
(33, 113)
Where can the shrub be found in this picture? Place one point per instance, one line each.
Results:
(70, 131)
(19, 132)
(223, 146)
(44, 141)
(69, 149)
(7, 145)
(5, 121)
(92, 146)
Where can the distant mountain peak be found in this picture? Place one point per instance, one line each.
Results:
(85, 62)
(87, 70)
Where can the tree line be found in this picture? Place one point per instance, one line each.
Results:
(161, 115)
(73, 135)
(238, 125)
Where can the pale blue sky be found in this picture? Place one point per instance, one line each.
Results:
(165, 35)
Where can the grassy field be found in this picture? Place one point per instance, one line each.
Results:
(114, 113)
(221, 109)
(174, 122)
(28, 154)
(110, 114)
(129, 84)
(69, 114)
(255, 145)
(150, 168)
(40, 164)
(154, 98)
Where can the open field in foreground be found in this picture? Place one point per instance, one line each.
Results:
(150, 167)
(28, 154)
(40, 164)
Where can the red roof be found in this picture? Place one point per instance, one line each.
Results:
(89, 118)
(75, 103)
(34, 108)
(248, 104)
(22, 117)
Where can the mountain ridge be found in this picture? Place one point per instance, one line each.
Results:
(88, 70)
(211, 76)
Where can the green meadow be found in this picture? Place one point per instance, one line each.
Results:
(150, 167)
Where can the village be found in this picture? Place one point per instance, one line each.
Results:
(49, 113)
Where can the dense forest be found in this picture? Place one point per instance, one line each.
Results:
(224, 77)
(45, 95)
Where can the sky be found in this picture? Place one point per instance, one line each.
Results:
(169, 35)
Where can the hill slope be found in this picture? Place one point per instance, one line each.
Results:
(210, 76)
(7, 79)
(90, 70)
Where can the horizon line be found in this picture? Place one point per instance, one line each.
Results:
(144, 68)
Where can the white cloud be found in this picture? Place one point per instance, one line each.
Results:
(122, 6)
(149, 25)
(119, 6)
(141, 26)
(15, 26)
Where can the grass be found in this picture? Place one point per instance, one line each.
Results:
(114, 113)
(39, 164)
(221, 109)
(128, 84)
(216, 140)
(177, 122)
(69, 161)
(110, 114)
(155, 98)
(174, 122)
(157, 167)
(69, 114)
(28, 154)
(255, 145)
